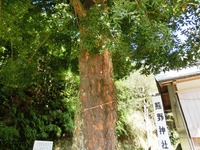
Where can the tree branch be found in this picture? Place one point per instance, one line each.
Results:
(39, 45)
(0, 10)
(78, 8)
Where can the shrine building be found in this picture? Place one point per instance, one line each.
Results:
(180, 94)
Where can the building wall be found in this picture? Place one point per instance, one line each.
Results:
(179, 119)
(189, 96)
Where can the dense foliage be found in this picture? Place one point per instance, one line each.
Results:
(134, 96)
(39, 111)
(38, 90)
(39, 48)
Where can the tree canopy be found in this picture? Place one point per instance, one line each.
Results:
(138, 31)
(40, 44)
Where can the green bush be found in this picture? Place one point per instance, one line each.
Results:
(42, 111)
(132, 92)
(9, 136)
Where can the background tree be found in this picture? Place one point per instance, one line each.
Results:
(38, 90)
(141, 27)
(135, 125)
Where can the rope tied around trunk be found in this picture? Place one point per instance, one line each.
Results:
(101, 105)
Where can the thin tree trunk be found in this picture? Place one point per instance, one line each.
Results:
(0, 10)
(96, 117)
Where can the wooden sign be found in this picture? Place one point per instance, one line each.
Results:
(162, 130)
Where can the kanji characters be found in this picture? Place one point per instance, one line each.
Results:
(160, 116)
(162, 130)
(164, 144)
(158, 105)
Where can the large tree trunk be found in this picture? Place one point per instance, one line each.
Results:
(96, 116)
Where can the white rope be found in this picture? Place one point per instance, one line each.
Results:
(97, 106)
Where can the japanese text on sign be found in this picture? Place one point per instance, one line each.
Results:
(162, 131)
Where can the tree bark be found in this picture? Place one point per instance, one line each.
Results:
(97, 112)
(96, 116)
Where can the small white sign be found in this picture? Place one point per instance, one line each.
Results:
(162, 130)
(43, 145)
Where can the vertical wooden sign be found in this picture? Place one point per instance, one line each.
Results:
(162, 131)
